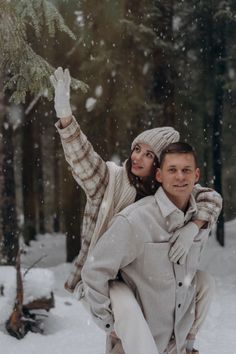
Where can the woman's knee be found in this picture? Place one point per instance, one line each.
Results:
(205, 284)
(123, 301)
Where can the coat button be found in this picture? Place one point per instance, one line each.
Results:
(107, 325)
(180, 283)
(179, 305)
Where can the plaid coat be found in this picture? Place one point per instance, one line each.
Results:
(108, 191)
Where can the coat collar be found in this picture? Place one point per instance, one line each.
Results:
(167, 207)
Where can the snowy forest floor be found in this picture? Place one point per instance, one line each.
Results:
(70, 330)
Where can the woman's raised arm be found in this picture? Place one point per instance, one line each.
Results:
(88, 168)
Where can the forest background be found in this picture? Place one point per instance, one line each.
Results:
(146, 64)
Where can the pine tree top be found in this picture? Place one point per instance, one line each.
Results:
(23, 70)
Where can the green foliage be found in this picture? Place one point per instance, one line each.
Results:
(39, 13)
(24, 71)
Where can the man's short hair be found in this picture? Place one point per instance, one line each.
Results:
(178, 148)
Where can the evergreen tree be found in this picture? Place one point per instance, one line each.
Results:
(23, 72)
(203, 51)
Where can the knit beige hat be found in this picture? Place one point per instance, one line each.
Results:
(157, 138)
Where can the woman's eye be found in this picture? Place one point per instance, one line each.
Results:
(150, 155)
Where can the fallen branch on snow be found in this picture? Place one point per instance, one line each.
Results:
(22, 320)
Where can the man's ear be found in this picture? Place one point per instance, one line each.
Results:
(197, 175)
(158, 175)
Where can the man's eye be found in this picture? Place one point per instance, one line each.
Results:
(171, 170)
(187, 170)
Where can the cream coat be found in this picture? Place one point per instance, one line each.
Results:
(137, 245)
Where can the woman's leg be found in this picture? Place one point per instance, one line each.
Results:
(205, 289)
(130, 324)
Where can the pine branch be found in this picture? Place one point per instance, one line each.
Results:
(39, 13)
(24, 70)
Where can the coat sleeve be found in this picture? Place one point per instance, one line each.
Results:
(117, 248)
(88, 168)
(209, 204)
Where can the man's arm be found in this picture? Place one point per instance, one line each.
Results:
(115, 249)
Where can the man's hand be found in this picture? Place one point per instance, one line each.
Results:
(182, 240)
(61, 83)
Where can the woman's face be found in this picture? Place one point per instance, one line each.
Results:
(142, 159)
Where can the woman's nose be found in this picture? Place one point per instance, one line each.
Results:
(138, 157)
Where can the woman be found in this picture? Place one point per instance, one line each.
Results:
(110, 188)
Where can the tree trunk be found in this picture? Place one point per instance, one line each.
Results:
(205, 32)
(9, 219)
(217, 148)
(9, 230)
(29, 202)
(2, 114)
(220, 50)
(39, 174)
(164, 75)
(72, 201)
(217, 161)
(57, 189)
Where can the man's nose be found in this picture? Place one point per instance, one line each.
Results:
(180, 175)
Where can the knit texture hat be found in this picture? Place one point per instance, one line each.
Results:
(157, 138)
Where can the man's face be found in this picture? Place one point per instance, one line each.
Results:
(178, 175)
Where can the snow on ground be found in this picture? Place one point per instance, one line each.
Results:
(70, 330)
(218, 336)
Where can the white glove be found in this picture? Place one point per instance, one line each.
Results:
(61, 83)
(183, 240)
(209, 204)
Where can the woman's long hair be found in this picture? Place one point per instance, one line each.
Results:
(145, 187)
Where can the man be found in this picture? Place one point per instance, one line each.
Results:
(160, 270)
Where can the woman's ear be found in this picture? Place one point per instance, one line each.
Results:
(158, 175)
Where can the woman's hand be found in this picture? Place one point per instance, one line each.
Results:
(61, 82)
(182, 239)
(114, 335)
